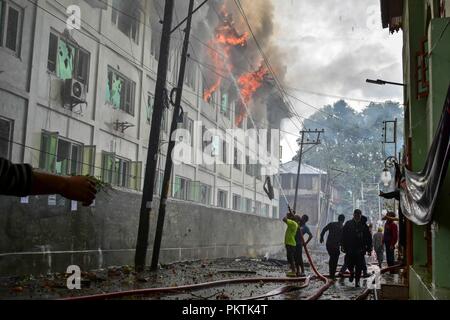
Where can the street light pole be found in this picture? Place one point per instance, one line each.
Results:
(383, 82)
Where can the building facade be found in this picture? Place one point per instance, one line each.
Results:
(79, 101)
(426, 71)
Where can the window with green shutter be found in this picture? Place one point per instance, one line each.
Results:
(88, 160)
(49, 145)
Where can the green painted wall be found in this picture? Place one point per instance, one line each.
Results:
(414, 11)
(440, 81)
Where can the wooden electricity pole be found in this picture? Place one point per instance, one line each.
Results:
(177, 114)
(315, 141)
(152, 153)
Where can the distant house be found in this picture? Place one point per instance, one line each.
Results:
(312, 194)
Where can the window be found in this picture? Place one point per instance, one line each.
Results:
(248, 167)
(275, 212)
(200, 192)
(121, 172)
(67, 60)
(224, 151)
(205, 194)
(239, 113)
(237, 157)
(225, 103)
(206, 138)
(164, 120)
(237, 202)
(306, 182)
(120, 91)
(257, 207)
(189, 77)
(155, 44)
(188, 125)
(258, 170)
(269, 140)
(6, 137)
(10, 26)
(209, 93)
(149, 109)
(248, 205)
(423, 70)
(222, 199)
(181, 188)
(65, 157)
(126, 16)
(266, 211)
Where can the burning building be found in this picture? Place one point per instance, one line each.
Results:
(85, 107)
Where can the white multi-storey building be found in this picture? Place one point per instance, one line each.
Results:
(80, 102)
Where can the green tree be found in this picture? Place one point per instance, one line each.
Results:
(352, 142)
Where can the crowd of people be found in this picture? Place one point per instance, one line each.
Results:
(353, 238)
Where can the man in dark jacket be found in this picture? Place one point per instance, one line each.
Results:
(356, 241)
(333, 244)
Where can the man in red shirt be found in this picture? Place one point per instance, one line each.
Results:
(390, 237)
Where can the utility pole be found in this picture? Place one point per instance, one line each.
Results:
(178, 112)
(152, 153)
(304, 143)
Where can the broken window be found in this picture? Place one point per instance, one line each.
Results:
(67, 60)
(126, 16)
(6, 137)
(10, 26)
(120, 91)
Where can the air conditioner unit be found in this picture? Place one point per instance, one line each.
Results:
(74, 92)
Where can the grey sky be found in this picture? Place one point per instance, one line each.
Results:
(331, 47)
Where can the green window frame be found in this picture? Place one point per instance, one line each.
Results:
(67, 60)
(120, 91)
(75, 158)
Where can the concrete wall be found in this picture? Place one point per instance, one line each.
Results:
(37, 238)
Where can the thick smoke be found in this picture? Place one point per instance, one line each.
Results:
(265, 103)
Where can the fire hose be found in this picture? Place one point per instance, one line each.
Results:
(179, 289)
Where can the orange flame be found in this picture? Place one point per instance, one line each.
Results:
(226, 38)
(250, 82)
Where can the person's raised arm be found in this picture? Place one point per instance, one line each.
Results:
(78, 188)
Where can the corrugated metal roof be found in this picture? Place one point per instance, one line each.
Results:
(292, 167)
